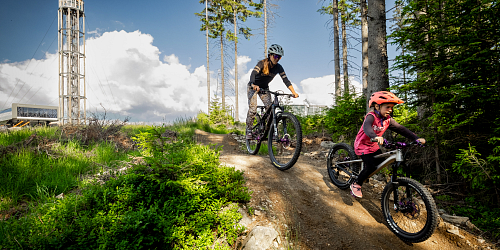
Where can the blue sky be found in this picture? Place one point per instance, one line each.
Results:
(166, 77)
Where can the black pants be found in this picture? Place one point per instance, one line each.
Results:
(370, 165)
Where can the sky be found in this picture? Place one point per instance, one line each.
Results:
(147, 59)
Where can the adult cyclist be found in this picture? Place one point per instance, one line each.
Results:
(262, 74)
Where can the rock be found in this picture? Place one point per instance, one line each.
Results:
(380, 177)
(455, 219)
(327, 144)
(471, 226)
(454, 230)
(260, 238)
(246, 220)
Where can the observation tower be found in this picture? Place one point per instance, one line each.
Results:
(71, 39)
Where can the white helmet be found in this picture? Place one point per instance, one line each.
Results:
(276, 49)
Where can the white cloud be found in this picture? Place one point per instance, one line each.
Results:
(126, 74)
(31, 81)
(136, 83)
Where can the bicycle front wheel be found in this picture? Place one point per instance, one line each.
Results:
(340, 173)
(413, 217)
(284, 146)
(253, 145)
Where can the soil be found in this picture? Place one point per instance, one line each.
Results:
(309, 212)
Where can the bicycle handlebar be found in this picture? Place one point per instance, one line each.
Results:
(263, 91)
(390, 145)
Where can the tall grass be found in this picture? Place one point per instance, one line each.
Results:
(187, 126)
(131, 130)
(10, 137)
(30, 174)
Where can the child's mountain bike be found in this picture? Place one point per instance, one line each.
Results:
(407, 206)
(281, 130)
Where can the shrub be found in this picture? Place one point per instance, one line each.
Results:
(345, 119)
(180, 200)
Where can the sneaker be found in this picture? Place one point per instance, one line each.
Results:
(356, 190)
(249, 134)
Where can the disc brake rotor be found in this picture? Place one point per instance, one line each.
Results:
(285, 141)
(409, 209)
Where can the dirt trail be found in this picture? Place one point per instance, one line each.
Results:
(311, 213)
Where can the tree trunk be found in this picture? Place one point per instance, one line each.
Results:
(208, 59)
(344, 58)
(378, 78)
(364, 40)
(336, 48)
(236, 118)
(222, 70)
(265, 29)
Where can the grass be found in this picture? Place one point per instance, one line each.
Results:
(264, 150)
(11, 137)
(180, 200)
(29, 174)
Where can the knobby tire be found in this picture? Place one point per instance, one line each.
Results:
(284, 150)
(253, 145)
(418, 221)
(341, 173)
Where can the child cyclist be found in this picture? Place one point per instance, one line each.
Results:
(376, 122)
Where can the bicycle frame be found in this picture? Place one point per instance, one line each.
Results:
(392, 156)
(270, 113)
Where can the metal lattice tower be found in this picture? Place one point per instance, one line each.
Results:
(71, 37)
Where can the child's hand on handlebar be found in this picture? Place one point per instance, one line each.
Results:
(295, 95)
(379, 140)
(421, 140)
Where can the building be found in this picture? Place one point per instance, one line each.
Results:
(305, 110)
(21, 115)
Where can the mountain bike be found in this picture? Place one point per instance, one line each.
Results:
(282, 131)
(407, 206)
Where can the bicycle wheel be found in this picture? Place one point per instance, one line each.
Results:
(413, 217)
(253, 145)
(284, 149)
(338, 172)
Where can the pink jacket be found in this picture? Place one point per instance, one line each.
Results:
(363, 143)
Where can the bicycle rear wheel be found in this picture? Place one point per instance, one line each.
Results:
(339, 172)
(253, 145)
(413, 217)
(284, 149)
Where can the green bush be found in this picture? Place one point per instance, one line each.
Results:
(180, 200)
(345, 119)
(220, 114)
(312, 123)
(481, 214)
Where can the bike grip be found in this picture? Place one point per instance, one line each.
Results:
(373, 140)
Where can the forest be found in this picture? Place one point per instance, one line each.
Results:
(447, 71)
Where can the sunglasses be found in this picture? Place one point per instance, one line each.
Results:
(276, 56)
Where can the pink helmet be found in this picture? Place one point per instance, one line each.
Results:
(384, 97)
